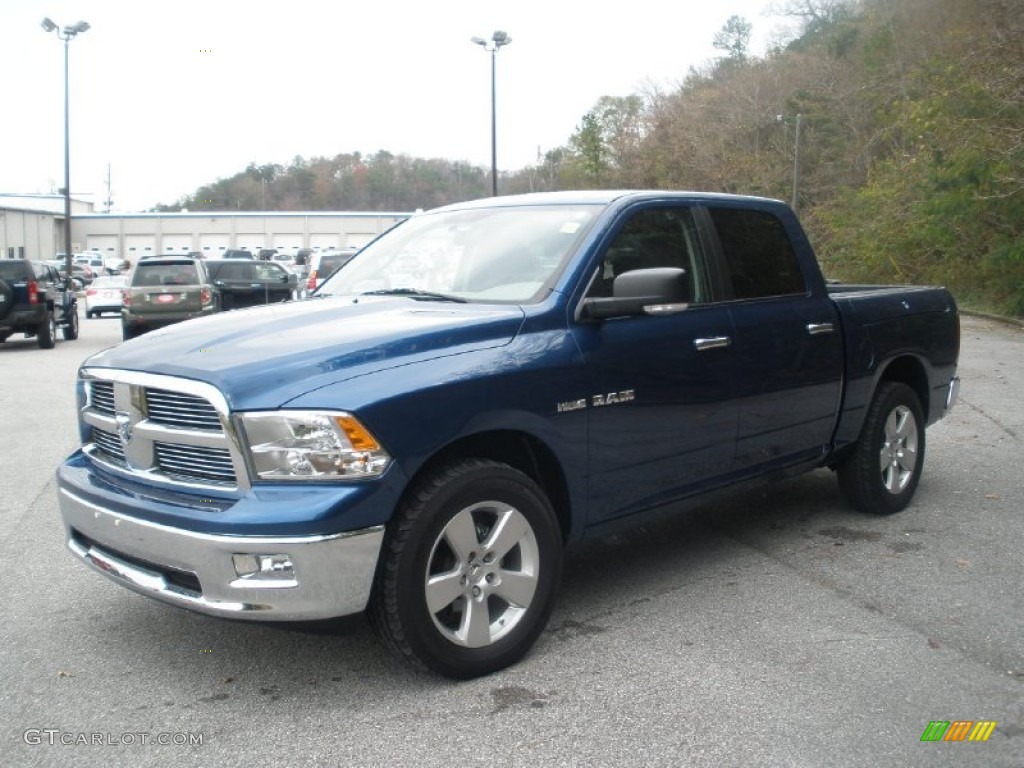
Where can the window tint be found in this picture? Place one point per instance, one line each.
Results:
(12, 270)
(656, 237)
(758, 254)
(269, 271)
(166, 274)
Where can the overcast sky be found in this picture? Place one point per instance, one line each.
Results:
(173, 95)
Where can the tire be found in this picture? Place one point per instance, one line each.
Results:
(474, 533)
(70, 330)
(6, 299)
(127, 333)
(882, 473)
(46, 335)
(89, 315)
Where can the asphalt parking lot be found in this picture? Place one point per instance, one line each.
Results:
(772, 628)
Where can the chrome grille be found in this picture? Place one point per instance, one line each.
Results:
(109, 443)
(193, 462)
(177, 409)
(161, 430)
(101, 395)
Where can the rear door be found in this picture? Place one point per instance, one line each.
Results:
(787, 344)
(234, 279)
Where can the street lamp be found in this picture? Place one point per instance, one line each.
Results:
(796, 154)
(497, 40)
(67, 35)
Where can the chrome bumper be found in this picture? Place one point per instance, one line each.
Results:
(326, 576)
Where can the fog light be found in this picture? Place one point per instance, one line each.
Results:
(258, 570)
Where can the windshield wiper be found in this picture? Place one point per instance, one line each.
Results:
(413, 293)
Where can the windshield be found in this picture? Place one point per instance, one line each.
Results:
(488, 255)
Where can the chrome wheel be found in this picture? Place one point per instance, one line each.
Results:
(898, 457)
(469, 569)
(881, 472)
(482, 574)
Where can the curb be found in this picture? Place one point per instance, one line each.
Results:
(1014, 321)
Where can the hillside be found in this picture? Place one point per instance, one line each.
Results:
(910, 164)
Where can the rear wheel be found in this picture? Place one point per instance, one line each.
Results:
(469, 570)
(882, 473)
(46, 335)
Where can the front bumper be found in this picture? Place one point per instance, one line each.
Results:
(329, 575)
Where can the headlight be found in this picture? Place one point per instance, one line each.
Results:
(311, 445)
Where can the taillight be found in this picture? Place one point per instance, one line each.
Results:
(126, 299)
(91, 291)
(205, 296)
(33, 292)
(311, 285)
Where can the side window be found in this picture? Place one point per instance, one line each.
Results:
(758, 254)
(655, 237)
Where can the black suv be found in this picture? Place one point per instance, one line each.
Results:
(245, 283)
(34, 300)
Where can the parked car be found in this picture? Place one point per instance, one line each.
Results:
(105, 295)
(35, 300)
(323, 264)
(235, 253)
(266, 254)
(247, 283)
(166, 290)
(483, 385)
(77, 281)
(81, 270)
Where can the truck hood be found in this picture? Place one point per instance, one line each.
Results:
(266, 356)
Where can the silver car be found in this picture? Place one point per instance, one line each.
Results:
(104, 295)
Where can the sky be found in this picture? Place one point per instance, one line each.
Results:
(174, 95)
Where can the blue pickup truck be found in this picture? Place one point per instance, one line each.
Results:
(481, 386)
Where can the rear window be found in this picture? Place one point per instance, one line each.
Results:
(12, 270)
(116, 281)
(165, 274)
(758, 253)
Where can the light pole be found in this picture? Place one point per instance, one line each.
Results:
(796, 154)
(498, 39)
(67, 35)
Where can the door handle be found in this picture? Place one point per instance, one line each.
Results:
(715, 342)
(816, 328)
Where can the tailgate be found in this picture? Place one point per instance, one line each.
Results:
(166, 298)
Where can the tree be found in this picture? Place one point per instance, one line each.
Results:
(734, 39)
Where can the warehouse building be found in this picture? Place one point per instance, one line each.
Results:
(32, 226)
(132, 235)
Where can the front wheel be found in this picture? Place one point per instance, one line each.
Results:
(882, 473)
(46, 334)
(70, 329)
(469, 570)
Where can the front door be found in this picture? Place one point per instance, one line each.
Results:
(662, 420)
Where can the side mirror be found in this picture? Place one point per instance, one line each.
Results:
(657, 291)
